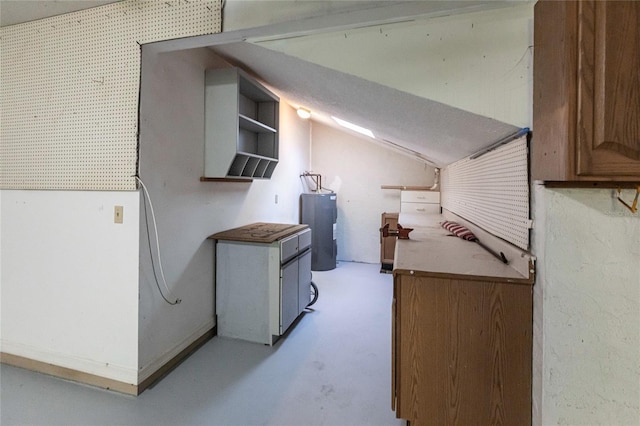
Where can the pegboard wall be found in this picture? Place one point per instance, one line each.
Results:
(492, 191)
(70, 85)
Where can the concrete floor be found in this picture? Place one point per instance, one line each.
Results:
(332, 368)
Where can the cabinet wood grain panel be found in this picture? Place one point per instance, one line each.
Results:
(609, 88)
(463, 351)
(586, 91)
(388, 244)
(554, 86)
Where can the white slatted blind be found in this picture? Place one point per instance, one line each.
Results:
(69, 91)
(492, 191)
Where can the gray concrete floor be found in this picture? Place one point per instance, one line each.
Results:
(332, 368)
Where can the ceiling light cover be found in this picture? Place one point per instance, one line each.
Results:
(304, 113)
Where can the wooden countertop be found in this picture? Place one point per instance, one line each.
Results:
(259, 232)
(432, 251)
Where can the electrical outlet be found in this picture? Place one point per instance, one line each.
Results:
(117, 214)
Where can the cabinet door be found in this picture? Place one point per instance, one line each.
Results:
(586, 91)
(288, 295)
(304, 280)
(608, 134)
(388, 244)
(462, 351)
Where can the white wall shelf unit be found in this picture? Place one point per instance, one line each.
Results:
(241, 127)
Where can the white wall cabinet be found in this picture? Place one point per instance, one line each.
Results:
(261, 288)
(241, 126)
(420, 202)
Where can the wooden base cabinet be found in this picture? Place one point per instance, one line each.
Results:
(462, 351)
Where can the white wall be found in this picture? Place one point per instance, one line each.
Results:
(355, 167)
(1, 192)
(187, 210)
(589, 286)
(70, 280)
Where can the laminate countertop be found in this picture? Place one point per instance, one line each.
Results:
(259, 232)
(433, 251)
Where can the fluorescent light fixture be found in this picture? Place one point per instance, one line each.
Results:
(304, 113)
(354, 127)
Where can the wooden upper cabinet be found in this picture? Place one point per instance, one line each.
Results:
(586, 91)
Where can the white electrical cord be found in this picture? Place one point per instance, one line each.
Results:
(155, 229)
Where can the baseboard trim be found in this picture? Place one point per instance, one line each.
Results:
(68, 373)
(103, 382)
(167, 367)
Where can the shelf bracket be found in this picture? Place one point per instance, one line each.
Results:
(633, 207)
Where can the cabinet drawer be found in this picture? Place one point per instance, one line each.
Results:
(294, 244)
(419, 208)
(304, 239)
(420, 196)
(288, 248)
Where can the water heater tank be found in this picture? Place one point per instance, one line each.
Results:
(320, 212)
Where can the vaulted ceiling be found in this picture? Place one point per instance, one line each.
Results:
(436, 79)
(436, 132)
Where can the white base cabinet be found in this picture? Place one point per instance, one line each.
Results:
(261, 288)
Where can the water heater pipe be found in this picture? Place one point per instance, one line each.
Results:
(317, 181)
(436, 181)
